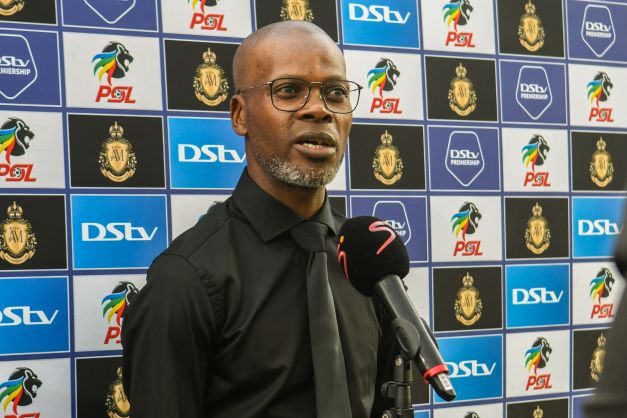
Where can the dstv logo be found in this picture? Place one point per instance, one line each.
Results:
(12, 316)
(598, 27)
(464, 154)
(598, 227)
(190, 153)
(532, 88)
(374, 13)
(11, 61)
(398, 227)
(115, 231)
(535, 296)
(468, 368)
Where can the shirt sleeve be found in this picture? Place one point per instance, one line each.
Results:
(167, 341)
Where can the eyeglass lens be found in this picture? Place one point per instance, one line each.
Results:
(290, 94)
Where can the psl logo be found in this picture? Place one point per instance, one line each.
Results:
(600, 288)
(206, 21)
(466, 221)
(114, 61)
(20, 389)
(535, 153)
(536, 358)
(471, 414)
(458, 13)
(383, 77)
(15, 137)
(599, 91)
(114, 304)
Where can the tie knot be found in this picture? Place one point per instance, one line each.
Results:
(310, 235)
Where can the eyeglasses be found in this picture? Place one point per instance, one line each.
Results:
(292, 94)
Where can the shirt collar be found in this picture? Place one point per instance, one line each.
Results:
(269, 217)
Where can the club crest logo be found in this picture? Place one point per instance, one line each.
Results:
(210, 82)
(204, 20)
(20, 390)
(384, 77)
(600, 288)
(598, 356)
(296, 10)
(116, 158)
(10, 7)
(114, 305)
(462, 97)
(601, 165)
(387, 162)
(468, 304)
(537, 233)
(15, 138)
(530, 30)
(536, 358)
(113, 62)
(457, 13)
(599, 91)
(117, 403)
(535, 154)
(17, 239)
(538, 412)
(466, 221)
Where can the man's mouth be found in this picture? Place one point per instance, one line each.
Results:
(322, 144)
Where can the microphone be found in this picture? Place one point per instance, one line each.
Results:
(374, 259)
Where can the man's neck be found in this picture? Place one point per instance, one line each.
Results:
(304, 201)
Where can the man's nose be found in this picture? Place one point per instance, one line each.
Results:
(315, 108)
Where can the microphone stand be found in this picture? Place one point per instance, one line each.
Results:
(400, 388)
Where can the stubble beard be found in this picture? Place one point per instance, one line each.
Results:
(286, 171)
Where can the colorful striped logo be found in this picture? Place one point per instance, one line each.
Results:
(538, 355)
(599, 88)
(466, 220)
(12, 391)
(116, 302)
(7, 142)
(601, 285)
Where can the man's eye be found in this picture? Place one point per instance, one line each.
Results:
(287, 89)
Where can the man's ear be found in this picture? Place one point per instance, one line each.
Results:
(238, 115)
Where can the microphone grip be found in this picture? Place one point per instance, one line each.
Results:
(430, 363)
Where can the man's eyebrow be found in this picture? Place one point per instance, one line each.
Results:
(330, 78)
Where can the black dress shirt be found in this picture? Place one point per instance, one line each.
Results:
(220, 329)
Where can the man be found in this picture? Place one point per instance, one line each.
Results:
(224, 327)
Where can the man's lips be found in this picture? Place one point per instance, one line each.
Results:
(316, 144)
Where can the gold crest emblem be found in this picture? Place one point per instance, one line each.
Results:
(116, 158)
(468, 304)
(601, 166)
(10, 7)
(530, 30)
(462, 97)
(17, 240)
(296, 10)
(537, 234)
(538, 413)
(210, 83)
(116, 402)
(387, 162)
(596, 362)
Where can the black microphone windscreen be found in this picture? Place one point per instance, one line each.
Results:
(369, 250)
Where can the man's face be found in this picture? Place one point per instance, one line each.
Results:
(302, 148)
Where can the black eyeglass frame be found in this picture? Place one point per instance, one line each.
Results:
(308, 96)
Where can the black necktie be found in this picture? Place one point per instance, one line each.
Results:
(332, 399)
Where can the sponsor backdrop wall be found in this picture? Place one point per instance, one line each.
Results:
(491, 135)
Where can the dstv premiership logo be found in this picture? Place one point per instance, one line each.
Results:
(10, 7)
(600, 288)
(599, 91)
(535, 154)
(296, 10)
(20, 389)
(466, 221)
(533, 91)
(383, 77)
(117, 403)
(464, 157)
(462, 97)
(116, 158)
(598, 357)
(468, 304)
(114, 304)
(387, 162)
(15, 138)
(597, 29)
(601, 165)
(17, 66)
(530, 30)
(17, 239)
(376, 13)
(211, 86)
(114, 61)
(537, 232)
(204, 20)
(536, 358)
(457, 13)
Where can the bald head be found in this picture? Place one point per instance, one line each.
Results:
(256, 49)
